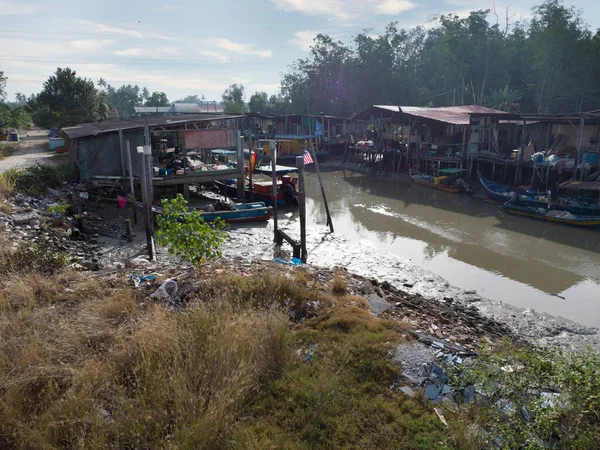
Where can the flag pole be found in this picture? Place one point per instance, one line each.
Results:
(314, 155)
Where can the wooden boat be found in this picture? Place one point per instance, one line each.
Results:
(445, 182)
(239, 213)
(552, 215)
(502, 194)
(263, 190)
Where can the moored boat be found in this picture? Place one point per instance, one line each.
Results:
(238, 213)
(446, 181)
(552, 215)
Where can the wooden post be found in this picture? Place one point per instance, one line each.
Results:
(274, 179)
(328, 136)
(144, 154)
(128, 230)
(251, 169)
(329, 221)
(579, 139)
(121, 152)
(463, 159)
(345, 134)
(131, 184)
(240, 156)
(302, 207)
(520, 157)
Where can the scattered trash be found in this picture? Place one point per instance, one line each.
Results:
(310, 352)
(140, 280)
(166, 291)
(440, 416)
(408, 391)
(293, 262)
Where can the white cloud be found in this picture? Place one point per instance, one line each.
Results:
(238, 48)
(393, 7)
(113, 30)
(303, 39)
(129, 52)
(215, 55)
(8, 8)
(91, 44)
(344, 10)
(169, 7)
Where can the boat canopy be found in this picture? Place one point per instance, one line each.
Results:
(452, 171)
(279, 170)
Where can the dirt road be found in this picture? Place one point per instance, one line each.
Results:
(33, 149)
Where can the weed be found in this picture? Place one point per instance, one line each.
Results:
(34, 180)
(29, 257)
(339, 286)
(7, 186)
(61, 210)
(6, 208)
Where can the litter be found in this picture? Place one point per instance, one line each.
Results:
(440, 416)
(140, 280)
(293, 262)
(166, 291)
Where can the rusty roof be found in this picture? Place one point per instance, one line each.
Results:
(455, 115)
(111, 126)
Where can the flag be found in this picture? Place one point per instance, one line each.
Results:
(307, 158)
(318, 128)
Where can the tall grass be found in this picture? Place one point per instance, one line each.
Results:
(91, 367)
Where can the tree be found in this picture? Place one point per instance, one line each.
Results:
(187, 234)
(3, 80)
(123, 99)
(505, 99)
(67, 100)
(145, 94)
(20, 99)
(259, 102)
(233, 99)
(102, 83)
(157, 99)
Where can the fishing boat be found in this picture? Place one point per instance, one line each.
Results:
(551, 215)
(238, 213)
(447, 180)
(502, 194)
(287, 193)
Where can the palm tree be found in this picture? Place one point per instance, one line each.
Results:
(102, 82)
(505, 99)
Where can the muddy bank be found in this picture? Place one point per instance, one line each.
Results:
(398, 288)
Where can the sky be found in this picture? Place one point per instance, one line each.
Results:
(186, 47)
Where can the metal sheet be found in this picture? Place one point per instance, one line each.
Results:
(205, 139)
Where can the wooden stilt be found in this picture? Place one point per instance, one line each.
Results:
(329, 221)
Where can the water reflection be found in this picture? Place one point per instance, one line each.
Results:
(468, 242)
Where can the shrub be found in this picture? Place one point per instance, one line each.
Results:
(187, 234)
(61, 210)
(34, 180)
(32, 258)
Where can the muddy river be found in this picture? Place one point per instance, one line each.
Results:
(391, 229)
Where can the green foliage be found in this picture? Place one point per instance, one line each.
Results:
(15, 117)
(32, 258)
(233, 99)
(550, 65)
(3, 80)
(561, 390)
(157, 99)
(261, 102)
(187, 234)
(66, 100)
(34, 180)
(59, 209)
(505, 99)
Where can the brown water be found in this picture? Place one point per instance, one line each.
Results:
(468, 242)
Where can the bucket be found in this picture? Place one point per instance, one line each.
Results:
(162, 172)
(169, 172)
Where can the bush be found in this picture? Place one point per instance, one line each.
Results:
(32, 258)
(34, 180)
(187, 234)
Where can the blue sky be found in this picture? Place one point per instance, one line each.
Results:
(200, 47)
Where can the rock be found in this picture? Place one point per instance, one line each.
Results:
(378, 305)
(408, 391)
(24, 218)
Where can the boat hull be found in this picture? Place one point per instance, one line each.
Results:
(440, 187)
(265, 198)
(529, 211)
(258, 214)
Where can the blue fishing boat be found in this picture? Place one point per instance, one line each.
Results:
(238, 213)
(502, 194)
(552, 215)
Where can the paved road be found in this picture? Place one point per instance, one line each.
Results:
(33, 149)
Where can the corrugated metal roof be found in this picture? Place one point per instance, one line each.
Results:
(152, 109)
(455, 115)
(96, 128)
(181, 108)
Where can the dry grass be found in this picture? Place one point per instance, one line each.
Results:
(7, 186)
(339, 285)
(89, 366)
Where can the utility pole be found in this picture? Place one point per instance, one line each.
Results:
(145, 155)
(131, 184)
(314, 154)
(302, 207)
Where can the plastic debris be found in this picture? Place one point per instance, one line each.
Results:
(408, 391)
(310, 352)
(139, 280)
(432, 392)
(293, 262)
(166, 291)
(440, 416)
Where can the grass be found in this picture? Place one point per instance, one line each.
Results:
(8, 148)
(32, 180)
(89, 363)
